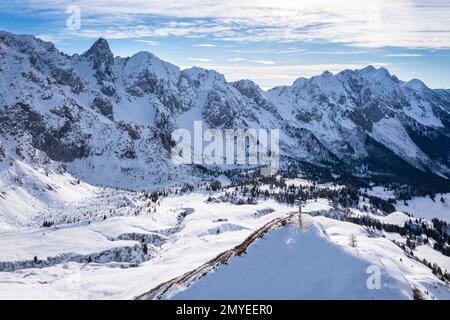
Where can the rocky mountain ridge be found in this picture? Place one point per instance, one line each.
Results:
(108, 119)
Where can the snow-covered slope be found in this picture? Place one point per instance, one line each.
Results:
(83, 137)
(109, 119)
(316, 263)
(425, 207)
(366, 115)
(106, 243)
(181, 231)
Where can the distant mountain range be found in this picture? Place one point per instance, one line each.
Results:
(108, 119)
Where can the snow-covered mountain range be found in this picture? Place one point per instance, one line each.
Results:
(108, 119)
(84, 139)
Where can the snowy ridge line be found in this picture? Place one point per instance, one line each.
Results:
(159, 291)
(102, 115)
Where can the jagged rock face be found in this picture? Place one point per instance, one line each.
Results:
(81, 109)
(219, 112)
(62, 143)
(102, 60)
(346, 109)
(67, 77)
(145, 75)
(255, 97)
(103, 106)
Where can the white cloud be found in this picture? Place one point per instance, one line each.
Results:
(289, 50)
(347, 52)
(266, 62)
(205, 45)
(47, 37)
(149, 42)
(404, 55)
(236, 59)
(369, 23)
(200, 59)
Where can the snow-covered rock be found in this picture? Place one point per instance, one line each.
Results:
(100, 114)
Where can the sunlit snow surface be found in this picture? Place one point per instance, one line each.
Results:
(290, 264)
(318, 263)
(425, 207)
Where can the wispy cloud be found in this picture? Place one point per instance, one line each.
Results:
(200, 59)
(342, 52)
(266, 62)
(269, 42)
(404, 55)
(149, 42)
(205, 45)
(290, 51)
(47, 37)
(372, 23)
(235, 59)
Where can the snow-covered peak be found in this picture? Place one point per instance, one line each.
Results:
(102, 62)
(382, 73)
(368, 73)
(247, 86)
(245, 83)
(299, 82)
(26, 43)
(203, 75)
(99, 49)
(368, 70)
(326, 117)
(325, 80)
(149, 62)
(326, 74)
(416, 85)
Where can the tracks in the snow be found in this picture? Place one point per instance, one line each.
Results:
(184, 280)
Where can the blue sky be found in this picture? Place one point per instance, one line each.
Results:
(271, 43)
